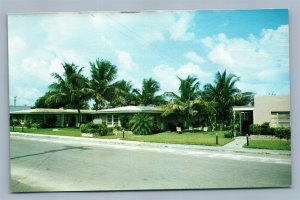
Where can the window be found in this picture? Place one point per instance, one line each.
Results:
(109, 119)
(116, 120)
(112, 120)
(280, 119)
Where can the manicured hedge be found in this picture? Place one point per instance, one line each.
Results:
(283, 132)
(265, 129)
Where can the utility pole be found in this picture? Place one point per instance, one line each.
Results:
(15, 100)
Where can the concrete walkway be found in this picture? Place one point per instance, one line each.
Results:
(233, 147)
(238, 142)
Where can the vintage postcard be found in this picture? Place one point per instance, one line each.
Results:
(150, 100)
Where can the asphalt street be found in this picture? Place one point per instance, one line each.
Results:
(66, 165)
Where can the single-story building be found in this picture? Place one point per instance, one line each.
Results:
(113, 116)
(272, 109)
(69, 117)
(59, 117)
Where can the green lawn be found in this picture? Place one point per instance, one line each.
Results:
(274, 144)
(166, 137)
(184, 138)
(51, 131)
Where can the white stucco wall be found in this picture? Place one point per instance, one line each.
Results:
(264, 105)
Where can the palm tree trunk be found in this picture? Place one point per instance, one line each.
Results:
(222, 123)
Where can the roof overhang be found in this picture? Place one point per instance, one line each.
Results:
(51, 111)
(131, 109)
(243, 108)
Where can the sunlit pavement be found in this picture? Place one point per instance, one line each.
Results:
(67, 164)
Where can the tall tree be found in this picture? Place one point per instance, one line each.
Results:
(147, 96)
(41, 102)
(222, 92)
(69, 88)
(187, 101)
(103, 75)
(244, 99)
(124, 94)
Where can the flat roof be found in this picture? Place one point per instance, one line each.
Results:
(132, 109)
(52, 111)
(243, 108)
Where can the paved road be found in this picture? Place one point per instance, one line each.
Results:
(65, 165)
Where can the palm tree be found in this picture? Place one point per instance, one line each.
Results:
(244, 98)
(103, 73)
(187, 101)
(147, 96)
(222, 92)
(70, 88)
(124, 94)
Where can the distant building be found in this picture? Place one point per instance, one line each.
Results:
(272, 109)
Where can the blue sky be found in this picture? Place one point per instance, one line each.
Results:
(253, 44)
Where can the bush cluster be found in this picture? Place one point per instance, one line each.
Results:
(14, 122)
(96, 129)
(143, 124)
(229, 134)
(283, 133)
(265, 129)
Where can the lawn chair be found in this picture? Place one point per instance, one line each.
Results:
(178, 129)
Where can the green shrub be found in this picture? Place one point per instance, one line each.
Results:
(283, 132)
(14, 122)
(125, 122)
(229, 134)
(97, 129)
(142, 124)
(28, 124)
(155, 128)
(84, 127)
(255, 129)
(266, 130)
(36, 125)
(110, 131)
(118, 128)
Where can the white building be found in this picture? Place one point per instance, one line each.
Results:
(272, 109)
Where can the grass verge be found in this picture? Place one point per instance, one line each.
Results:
(275, 144)
(51, 131)
(165, 137)
(175, 138)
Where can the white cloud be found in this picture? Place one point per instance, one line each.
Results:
(191, 69)
(167, 76)
(125, 61)
(194, 57)
(260, 60)
(221, 56)
(180, 29)
(153, 36)
(16, 44)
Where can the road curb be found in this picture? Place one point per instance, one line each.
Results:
(162, 145)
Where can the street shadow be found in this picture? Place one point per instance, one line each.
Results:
(65, 148)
